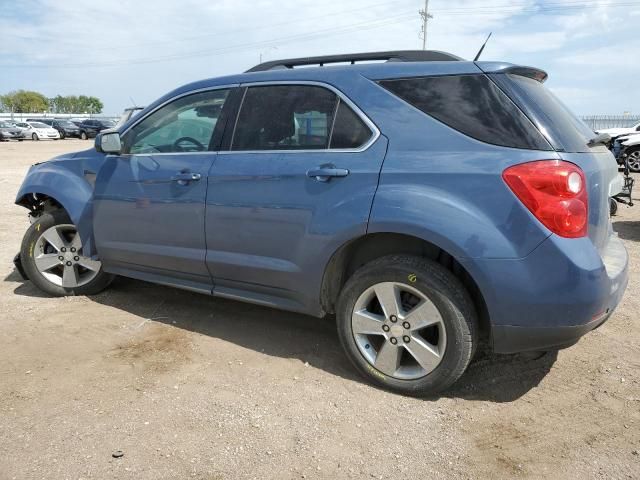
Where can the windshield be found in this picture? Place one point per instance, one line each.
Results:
(67, 123)
(39, 125)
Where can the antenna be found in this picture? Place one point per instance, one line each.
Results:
(482, 48)
(133, 101)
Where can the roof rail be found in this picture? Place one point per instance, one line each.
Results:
(391, 56)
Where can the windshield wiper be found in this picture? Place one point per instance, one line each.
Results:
(599, 139)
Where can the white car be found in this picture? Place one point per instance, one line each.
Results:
(40, 131)
(630, 146)
(616, 132)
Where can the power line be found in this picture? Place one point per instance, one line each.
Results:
(367, 25)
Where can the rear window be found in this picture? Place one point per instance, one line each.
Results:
(473, 105)
(562, 128)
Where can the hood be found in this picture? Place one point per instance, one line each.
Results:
(616, 132)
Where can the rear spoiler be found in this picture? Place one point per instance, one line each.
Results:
(529, 72)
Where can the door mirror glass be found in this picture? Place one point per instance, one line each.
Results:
(108, 143)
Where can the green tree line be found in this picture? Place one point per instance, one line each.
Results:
(23, 101)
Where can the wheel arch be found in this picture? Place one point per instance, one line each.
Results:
(357, 252)
(50, 189)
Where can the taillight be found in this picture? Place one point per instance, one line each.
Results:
(555, 192)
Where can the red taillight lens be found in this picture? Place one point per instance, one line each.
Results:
(555, 192)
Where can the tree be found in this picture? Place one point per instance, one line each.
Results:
(75, 104)
(23, 101)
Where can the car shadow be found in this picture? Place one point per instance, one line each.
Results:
(496, 378)
(628, 230)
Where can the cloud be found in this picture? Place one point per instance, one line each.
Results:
(121, 49)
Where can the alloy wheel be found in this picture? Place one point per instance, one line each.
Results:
(398, 330)
(58, 259)
(634, 161)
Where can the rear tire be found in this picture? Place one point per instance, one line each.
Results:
(613, 207)
(35, 137)
(83, 136)
(51, 255)
(399, 354)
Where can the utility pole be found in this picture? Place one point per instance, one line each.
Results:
(425, 17)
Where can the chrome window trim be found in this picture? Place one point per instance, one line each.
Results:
(185, 94)
(367, 121)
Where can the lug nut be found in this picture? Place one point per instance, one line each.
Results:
(393, 318)
(406, 339)
(61, 258)
(73, 249)
(69, 264)
(406, 325)
(76, 258)
(393, 340)
(385, 328)
(63, 249)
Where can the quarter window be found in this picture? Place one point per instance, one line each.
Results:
(473, 105)
(296, 117)
(184, 125)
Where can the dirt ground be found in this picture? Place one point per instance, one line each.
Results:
(188, 386)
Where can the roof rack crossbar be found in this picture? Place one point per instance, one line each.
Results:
(391, 56)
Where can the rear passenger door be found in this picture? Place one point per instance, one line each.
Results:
(297, 180)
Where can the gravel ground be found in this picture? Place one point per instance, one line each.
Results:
(188, 386)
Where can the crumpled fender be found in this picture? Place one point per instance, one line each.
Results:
(68, 180)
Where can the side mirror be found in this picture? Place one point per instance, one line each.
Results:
(108, 142)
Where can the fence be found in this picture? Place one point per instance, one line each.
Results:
(21, 117)
(598, 122)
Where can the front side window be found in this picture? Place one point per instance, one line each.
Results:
(184, 125)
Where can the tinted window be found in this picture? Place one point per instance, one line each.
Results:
(184, 125)
(563, 129)
(473, 105)
(285, 117)
(349, 131)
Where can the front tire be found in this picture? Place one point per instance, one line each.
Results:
(407, 324)
(35, 137)
(634, 160)
(51, 255)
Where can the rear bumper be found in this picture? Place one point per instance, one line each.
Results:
(549, 299)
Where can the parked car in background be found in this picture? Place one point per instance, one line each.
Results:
(91, 127)
(24, 128)
(41, 131)
(8, 131)
(434, 205)
(65, 128)
(629, 146)
(127, 114)
(616, 132)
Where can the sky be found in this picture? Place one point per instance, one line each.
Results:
(134, 51)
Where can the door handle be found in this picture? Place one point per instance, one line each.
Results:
(184, 178)
(324, 174)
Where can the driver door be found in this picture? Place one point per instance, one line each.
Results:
(149, 201)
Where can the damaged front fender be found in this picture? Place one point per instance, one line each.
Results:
(69, 182)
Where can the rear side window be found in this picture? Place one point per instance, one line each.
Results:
(297, 117)
(285, 117)
(473, 105)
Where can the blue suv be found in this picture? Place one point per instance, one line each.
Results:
(432, 204)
